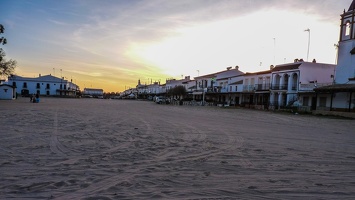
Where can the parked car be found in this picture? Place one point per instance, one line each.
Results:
(162, 100)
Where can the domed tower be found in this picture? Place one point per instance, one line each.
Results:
(345, 71)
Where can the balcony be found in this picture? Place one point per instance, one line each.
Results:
(248, 88)
(262, 87)
(279, 87)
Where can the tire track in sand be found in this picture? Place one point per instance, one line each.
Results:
(54, 144)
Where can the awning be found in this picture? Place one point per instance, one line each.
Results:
(336, 88)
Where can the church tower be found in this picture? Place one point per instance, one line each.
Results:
(345, 70)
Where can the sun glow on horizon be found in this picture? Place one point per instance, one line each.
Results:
(253, 42)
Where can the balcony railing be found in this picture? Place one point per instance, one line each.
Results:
(279, 87)
(248, 88)
(262, 87)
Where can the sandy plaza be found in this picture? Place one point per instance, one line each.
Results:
(122, 149)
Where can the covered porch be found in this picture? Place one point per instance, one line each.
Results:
(342, 97)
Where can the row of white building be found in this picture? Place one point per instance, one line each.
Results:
(307, 85)
(47, 85)
(283, 85)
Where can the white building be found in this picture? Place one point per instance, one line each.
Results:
(93, 92)
(218, 87)
(171, 83)
(256, 89)
(295, 82)
(44, 85)
(7, 92)
(226, 86)
(341, 95)
(190, 86)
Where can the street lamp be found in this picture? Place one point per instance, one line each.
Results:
(309, 40)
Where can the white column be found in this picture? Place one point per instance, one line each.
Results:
(280, 99)
(289, 86)
(281, 81)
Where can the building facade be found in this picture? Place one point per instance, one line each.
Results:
(292, 81)
(7, 92)
(93, 92)
(341, 95)
(47, 85)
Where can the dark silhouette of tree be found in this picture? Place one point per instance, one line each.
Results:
(2, 39)
(6, 67)
(178, 91)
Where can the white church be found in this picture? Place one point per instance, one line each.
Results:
(341, 95)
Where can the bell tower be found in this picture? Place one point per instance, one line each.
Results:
(345, 70)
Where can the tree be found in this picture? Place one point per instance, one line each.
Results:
(6, 67)
(179, 91)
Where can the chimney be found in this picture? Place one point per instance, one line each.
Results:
(228, 68)
(237, 67)
(314, 61)
(271, 67)
(39, 75)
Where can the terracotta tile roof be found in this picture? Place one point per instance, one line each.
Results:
(286, 67)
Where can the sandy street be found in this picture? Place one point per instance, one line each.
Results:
(120, 149)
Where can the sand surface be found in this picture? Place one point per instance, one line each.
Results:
(120, 149)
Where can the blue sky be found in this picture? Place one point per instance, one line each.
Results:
(110, 44)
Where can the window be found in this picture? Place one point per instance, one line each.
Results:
(323, 102)
(236, 88)
(230, 88)
(347, 28)
(48, 86)
(24, 85)
(305, 101)
(38, 86)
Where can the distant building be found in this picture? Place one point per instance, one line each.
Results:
(43, 85)
(92, 92)
(218, 87)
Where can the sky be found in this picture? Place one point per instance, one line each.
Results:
(110, 44)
